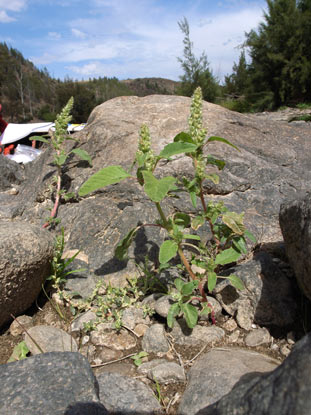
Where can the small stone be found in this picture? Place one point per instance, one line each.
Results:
(198, 335)
(78, 323)
(140, 329)
(85, 339)
(234, 337)
(291, 337)
(13, 191)
(133, 316)
(20, 325)
(121, 394)
(50, 339)
(257, 337)
(115, 340)
(106, 354)
(254, 326)
(274, 347)
(145, 368)
(88, 351)
(198, 270)
(168, 372)
(285, 350)
(230, 325)
(154, 340)
(97, 361)
(162, 305)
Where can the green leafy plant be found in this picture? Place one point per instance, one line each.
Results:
(138, 358)
(20, 352)
(229, 234)
(60, 264)
(57, 141)
(109, 302)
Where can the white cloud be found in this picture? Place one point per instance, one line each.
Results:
(77, 33)
(136, 39)
(54, 35)
(4, 18)
(13, 5)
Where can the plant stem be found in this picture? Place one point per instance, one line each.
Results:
(186, 264)
(163, 217)
(57, 198)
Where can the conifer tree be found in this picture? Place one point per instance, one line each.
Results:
(196, 70)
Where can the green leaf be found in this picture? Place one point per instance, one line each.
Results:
(178, 147)
(183, 137)
(182, 219)
(239, 244)
(123, 246)
(178, 284)
(84, 155)
(190, 236)
(167, 251)
(173, 311)
(213, 177)
(236, 282)
(197, 222)
(191, 315)
(227, 256)
(20, 352)
(222, 140)
(187, 289)
(193, 198)
(234, 221)
(156, 189)
(60, 160)
(39, 138)
(215, 162)
(211, 281)
(250, 236)
(104, 177)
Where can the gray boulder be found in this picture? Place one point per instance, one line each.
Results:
(268, 298)
(26, 253)
(286, 390)
(126, 396)
(295, 222)
(49, 384)
(11, 173)
(216, 372)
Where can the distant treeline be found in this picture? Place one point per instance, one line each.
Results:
(27, 93)
(274, 69)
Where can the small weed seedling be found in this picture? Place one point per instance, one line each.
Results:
(138, 358)
(228, 242)
(57, 141)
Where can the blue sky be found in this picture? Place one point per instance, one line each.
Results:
(126, 38)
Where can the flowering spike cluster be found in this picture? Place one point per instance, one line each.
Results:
(144, 154)
(197, 132)
(62, 120)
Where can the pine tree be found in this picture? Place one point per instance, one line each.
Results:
(196, 70)
(280, 57)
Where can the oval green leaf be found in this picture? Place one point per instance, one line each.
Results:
(236, 282)
(227, 256)
(173, 311)
(156, 189)
(178, 147)
(191, 315)
(222, 140)
(104, 177)
(167, 251)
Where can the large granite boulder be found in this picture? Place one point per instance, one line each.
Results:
(295, 222)
(272, 166)
(286, 390)
(26, 253)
